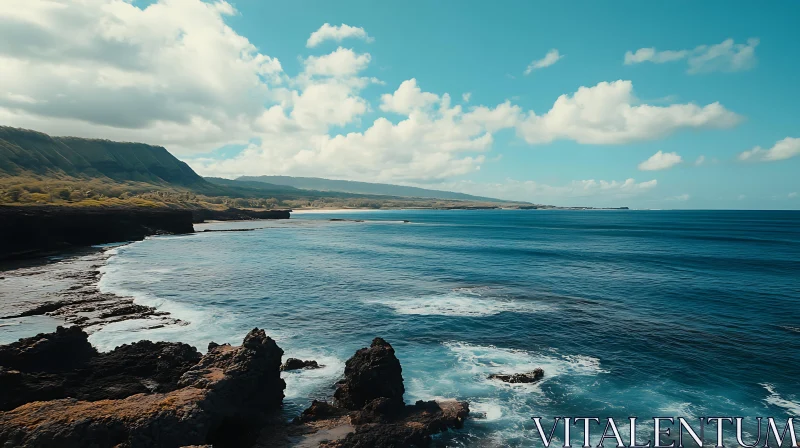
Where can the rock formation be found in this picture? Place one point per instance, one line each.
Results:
(369, 410)
(530, 377)
(219, 400)
(371, 373)
(297, 364)
(63, 364)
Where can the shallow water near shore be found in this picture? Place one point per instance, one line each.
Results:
(629, 313)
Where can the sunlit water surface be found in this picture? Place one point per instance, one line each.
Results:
(629, 313)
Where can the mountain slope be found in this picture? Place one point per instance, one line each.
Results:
(347, 186)
(25, 152)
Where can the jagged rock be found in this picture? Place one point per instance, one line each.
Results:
(412, 426)
(319, 410)
(371, 395)
(371, 373)
(64, 349)
(219, 402)
(297, 364)
(41, 368)
(530, 377)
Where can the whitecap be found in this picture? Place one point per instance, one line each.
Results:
(304, 383)
(465, 302)
(485, 360)
(776, 400)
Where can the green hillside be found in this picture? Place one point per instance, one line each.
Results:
(24, 152)
(36, 168)
(348, 186)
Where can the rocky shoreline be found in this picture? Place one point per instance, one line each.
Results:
(59, 391)
(66, 289)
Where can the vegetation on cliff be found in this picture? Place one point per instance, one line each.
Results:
(36, 168)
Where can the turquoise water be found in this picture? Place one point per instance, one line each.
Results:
(630, 313)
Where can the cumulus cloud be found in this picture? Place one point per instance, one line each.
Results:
(342, 62)
(111, 69)
(700, 160)
(466, 96)
(174, 73)
(660, 161)
(608, 113)
(435, 140)
(336, 33)
(726, 56)
(549, 59)
(407, 98)
(792, 195)
(784, 149)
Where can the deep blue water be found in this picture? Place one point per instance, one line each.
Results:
(630, 313)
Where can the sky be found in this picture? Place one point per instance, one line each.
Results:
(678, 104)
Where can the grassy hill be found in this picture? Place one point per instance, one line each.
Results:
(36, 168)
(348, 186)
(24, 152)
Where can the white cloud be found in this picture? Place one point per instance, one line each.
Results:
(336, 33)
(784, 149)
(660, 161)
(549, 59)
(174, 73)
(342, 62)
(466, 96)
(680, 197)
(726, 56)
(608, 113)
(700, 160)
(741, 197)
(406, 98)
(434, 141)
(792, 195)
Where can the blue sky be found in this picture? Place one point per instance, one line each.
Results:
(240, 89)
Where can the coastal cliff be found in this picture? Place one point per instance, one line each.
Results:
(30, 230)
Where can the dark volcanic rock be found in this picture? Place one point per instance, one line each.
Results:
(219, 402)
(369, 410)
(64, 349)
(371, 373)
(297, 364)
(411, 426)
(319, 410)
(63, 364)
(530, 377)
(31, 229)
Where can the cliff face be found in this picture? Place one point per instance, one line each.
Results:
(27, 230)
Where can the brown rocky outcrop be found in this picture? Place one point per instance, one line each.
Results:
(369, 411)
(371, 373)
(218, 401)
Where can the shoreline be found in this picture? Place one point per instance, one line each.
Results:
(65, 288)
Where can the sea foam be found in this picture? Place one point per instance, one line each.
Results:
(465, 302)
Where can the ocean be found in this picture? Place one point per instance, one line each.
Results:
(629, 313)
